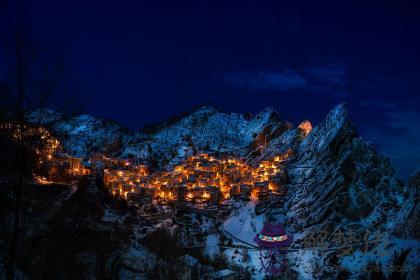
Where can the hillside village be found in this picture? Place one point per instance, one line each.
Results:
(202, 178)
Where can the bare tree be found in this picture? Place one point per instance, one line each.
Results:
(31, 80)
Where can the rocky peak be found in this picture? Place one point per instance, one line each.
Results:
(334, 157)
(330, 137)
(269, 113)
(43, 116)
(202, 110)
(338, 182)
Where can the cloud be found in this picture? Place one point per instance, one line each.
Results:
(283, 81)
(330, 74)
(379, 104)
(408, 121)
(398, 136)
(330, 79)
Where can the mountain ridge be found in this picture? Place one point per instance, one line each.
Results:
(336, 181)
(203, 128)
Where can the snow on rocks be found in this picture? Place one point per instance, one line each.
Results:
(203, 129)
(212, 248)
(338, 182)
(244, 224)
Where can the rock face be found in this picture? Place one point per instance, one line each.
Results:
(337, 175)
(339, 183)
(411, 228)
(289, 139)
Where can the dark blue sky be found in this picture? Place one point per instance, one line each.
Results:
(139, 62)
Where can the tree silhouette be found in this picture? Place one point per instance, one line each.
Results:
(30, 83)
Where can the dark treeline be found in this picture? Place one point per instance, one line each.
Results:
(31, 80)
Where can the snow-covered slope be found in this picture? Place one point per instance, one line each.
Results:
(211, 130)
(84, 135)
(203, 129)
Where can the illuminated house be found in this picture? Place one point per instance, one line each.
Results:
(245, 190)
(167, 192)
(134, 196)
(181, 192)
(148, 192)
(198, 193)
(234, 190)
(62, 168)
(261, 189)
(215, 195)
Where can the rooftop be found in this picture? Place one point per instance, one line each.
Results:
(188, 260)
(221, 273)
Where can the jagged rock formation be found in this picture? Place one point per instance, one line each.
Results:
(288, 140)
(411, 226)
(337, 175)
(338, 182)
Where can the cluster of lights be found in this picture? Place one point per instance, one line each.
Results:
(196, 174)
(272, 238)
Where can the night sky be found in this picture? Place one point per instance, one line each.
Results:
(140, 62)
